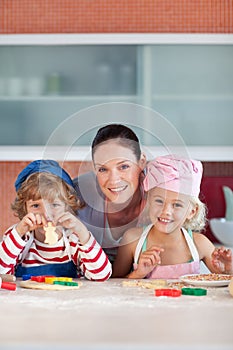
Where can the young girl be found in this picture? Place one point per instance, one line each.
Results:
(46, 198)
(172, 245)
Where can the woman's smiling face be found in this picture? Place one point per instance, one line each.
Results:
(117, 170)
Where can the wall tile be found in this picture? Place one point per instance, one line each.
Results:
(111, 16)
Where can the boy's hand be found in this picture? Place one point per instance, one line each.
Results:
(30, 222)
(222, 260)
(71, 222)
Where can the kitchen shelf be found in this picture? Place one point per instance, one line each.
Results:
(117, 39)
(194, 97)
(117, 96)
(63, 98)
(83, 153)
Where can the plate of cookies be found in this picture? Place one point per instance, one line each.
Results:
(207, 279)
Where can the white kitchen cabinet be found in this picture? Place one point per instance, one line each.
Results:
(44, 80)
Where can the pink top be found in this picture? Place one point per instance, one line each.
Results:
(171, 271)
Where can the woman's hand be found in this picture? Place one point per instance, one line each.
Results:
(29, 223)
(148, 260)
(71, 222)
(222, 260)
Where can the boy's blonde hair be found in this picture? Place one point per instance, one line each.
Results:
(44, 186)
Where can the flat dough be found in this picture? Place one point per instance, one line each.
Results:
(45, 286)
(150, 284)
(51, 236)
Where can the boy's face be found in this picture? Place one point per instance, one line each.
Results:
(49, 210)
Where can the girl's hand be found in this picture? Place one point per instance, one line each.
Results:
(29, 223)
(222, 260)
(71, 222)
(147, 262)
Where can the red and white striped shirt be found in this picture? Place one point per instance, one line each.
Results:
(90, 259)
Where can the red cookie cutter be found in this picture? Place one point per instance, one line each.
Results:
(40, 279)
(167, 292)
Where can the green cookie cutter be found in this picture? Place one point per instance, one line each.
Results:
(194, 291)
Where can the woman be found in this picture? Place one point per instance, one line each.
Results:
(113, 193)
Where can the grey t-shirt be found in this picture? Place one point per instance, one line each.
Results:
(93, 214)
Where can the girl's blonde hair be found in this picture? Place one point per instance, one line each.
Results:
(44, 186)
(198, 221)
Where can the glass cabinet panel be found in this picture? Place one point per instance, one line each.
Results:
(189, 85)
(193, 87)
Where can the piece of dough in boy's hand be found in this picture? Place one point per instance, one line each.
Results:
(51, 236)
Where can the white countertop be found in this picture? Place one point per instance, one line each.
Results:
(81, 153)
(108, 315)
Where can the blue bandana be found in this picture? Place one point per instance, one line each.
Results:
(43, 166)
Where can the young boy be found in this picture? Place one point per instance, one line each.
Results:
(46, 199)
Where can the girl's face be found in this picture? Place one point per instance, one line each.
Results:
(50, 210)
(168, 210)
(117, 170)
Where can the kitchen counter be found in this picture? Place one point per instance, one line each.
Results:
(108, 315)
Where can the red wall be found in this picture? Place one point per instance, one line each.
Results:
(116, 16)
(215, 176)
(212, 196)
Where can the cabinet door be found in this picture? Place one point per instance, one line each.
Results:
(189, 89)
(192, 86)
(41, 86)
